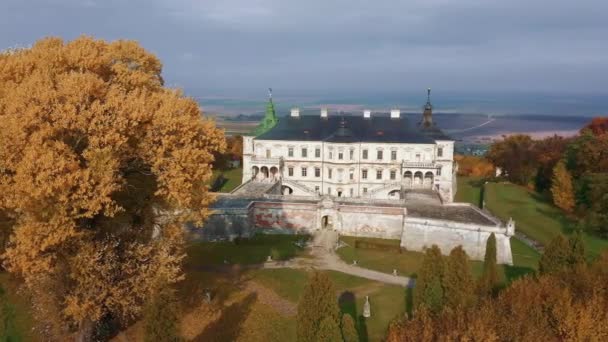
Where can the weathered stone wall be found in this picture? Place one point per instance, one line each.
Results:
(420, 233)
(223, 224)
(287, 217)
(369, 221)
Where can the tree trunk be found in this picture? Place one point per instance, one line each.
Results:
(85, 331)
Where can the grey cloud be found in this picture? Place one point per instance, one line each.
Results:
(221, 46)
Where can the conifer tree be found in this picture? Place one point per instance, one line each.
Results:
(349, 332)
(577, 249)
(562, 189)
(556, 257)
(329, 331)
(428, 291)
(458, 281)
(489, 277)
(161, 317)
(318, 303)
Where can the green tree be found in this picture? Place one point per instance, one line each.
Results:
(489, 277)
(556, 257)
(329, 331)
(458, 281)
(349, 331)
(562, 190)
(577, 249)
(428, 291)
(318, 303)
(161, 317)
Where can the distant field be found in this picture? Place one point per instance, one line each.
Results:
(236, 127)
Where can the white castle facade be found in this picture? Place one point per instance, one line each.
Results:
(378, 156)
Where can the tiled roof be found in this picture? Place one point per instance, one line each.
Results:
(352, 128)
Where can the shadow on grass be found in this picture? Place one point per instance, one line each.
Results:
(348, 304)
(228, 327)
(362, 329)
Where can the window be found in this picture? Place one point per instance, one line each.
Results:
(317, 189)
(351, 175)
(329, 173)
(304, 153)
(352, 155)
(268, 153)
(340, 155)
(379, 155)
(417, 156)
(290, 171)
(290, 152)
(317, 153)
(393, 155)
(331, 155)
(304, 171)
(364, 190)
(364, 154)
(438, 172)
(364, 174)
(378, 174)
(329, 190)
(393, 174)
(440, 152)
(317, 172)
(352, 192)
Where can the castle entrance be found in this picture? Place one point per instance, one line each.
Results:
(326, 222)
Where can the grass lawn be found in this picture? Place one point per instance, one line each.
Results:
(233, 176)
(469, 190)
(534, 216)
(387, 301)
(15, 318)
(525, 259)
(247, 251)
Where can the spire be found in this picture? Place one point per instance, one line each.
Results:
(270, 117)
(427, 116)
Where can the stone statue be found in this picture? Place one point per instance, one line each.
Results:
(366, 308)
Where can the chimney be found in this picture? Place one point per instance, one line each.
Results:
(395, 113)
(295, 112)
(324, 112)
(367, 114)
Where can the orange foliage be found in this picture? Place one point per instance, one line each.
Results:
(569, 306)
(100, 166)
(474, 166)
(597, 126)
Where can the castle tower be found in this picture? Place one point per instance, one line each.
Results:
(427, 116)
(270, 118)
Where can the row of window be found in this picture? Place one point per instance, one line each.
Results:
(364, 173)
(364, 154)
(339, 192)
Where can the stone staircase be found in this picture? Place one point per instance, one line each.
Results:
(254, 189)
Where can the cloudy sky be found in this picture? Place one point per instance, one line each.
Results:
(223, 47)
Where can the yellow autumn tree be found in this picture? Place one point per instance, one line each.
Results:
(100, 166)
(562, 189)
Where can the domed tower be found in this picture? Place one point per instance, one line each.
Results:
(427, 116)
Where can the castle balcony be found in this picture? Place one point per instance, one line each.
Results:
(420, 165)
(272, 161)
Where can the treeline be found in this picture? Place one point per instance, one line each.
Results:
(573, 172)
(566, 301)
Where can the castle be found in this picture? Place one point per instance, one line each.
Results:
(375, 156)
(360, 175)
